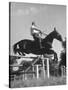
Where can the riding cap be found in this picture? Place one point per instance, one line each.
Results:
(33, 23)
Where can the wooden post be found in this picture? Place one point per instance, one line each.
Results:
(43, 66)
(37, 71)
(14, 77)
(33, 71)
(48, 74)
(62, 71)
(25, 76)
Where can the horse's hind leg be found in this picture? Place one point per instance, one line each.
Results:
(19, 53)
(22, 53)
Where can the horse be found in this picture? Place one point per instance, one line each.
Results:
(32, 46)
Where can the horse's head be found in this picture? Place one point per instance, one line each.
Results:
(56, 35)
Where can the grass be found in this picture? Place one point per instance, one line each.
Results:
(39, 82)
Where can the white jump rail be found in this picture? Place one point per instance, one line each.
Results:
(46, 56)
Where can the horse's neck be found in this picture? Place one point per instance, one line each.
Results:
(49, 39)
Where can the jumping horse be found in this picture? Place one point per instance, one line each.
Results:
(26, 46)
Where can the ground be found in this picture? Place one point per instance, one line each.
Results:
(39, 82)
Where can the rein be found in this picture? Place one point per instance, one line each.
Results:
(44, 34)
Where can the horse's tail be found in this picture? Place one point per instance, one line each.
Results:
(15, 48)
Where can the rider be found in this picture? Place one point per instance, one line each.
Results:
(36, 33)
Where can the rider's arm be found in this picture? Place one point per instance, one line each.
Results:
(31, 31)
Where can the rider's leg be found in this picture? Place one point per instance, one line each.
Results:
(40, 40)
(34, 37)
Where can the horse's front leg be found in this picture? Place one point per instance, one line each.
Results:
(55, 55)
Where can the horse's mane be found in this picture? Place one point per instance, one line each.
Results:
(49, 36)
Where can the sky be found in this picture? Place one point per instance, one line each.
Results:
(45, 16)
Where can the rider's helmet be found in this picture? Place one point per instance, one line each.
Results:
(54, 28)
(33, 23)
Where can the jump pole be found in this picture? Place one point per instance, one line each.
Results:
(43, 65)
(48, 74)
(37, 68)
(33, 71)
(23, 76)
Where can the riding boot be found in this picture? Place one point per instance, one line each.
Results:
(41, 45)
